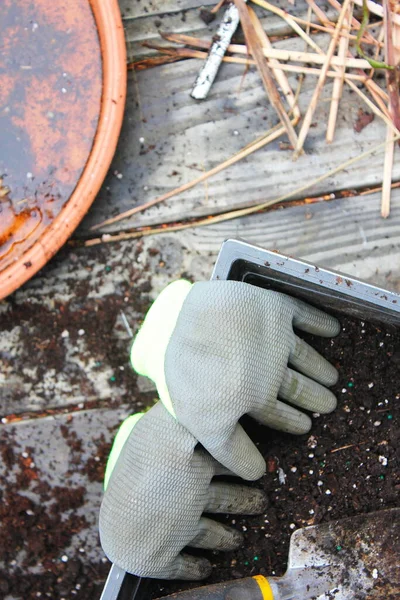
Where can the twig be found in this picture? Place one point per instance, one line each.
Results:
(235, 213)
(392, 85)
(181, 53)
(338, 83)
(216, 8)
(348, 446)
(378, 189)
(279, 75)
(382, 115)
(278, 54)
(392, 81)
(270, 136)
(373, 88)
(321, 81)
(152, 61)
(209, 70)
(289, 20)
(264, 70)
(387, 174)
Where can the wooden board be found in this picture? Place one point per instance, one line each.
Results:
(143, 22)
(86, 290)
(182, 138)
(52, 485)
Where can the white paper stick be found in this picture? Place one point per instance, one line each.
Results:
(210, 68)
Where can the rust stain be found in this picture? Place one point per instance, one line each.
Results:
(50, 95)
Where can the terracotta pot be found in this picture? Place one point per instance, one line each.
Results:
(100, 131)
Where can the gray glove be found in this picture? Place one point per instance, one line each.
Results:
(219, 350)
(159, 488)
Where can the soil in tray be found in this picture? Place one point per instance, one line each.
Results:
(347, 465)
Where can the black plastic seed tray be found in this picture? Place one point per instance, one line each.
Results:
(321, 287)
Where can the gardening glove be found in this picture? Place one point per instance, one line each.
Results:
(220, 349)
(157, 488)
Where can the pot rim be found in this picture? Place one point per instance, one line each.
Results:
(114, 75)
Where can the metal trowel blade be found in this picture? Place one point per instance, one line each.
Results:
(356, 558)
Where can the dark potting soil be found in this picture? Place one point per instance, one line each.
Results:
(347, 465)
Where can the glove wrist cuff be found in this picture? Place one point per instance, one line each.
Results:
(150, 345)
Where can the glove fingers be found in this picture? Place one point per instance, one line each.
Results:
(187, 567)
(306, 393)
(282, 417)
(216, 536)
(310, 319)
(307, 360)
(221, 470)
(235, 499)
(237, 453)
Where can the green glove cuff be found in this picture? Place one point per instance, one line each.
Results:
(122, 435)
(150, 345)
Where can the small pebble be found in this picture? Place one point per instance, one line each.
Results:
(377, 423)
(328, 492)
(81, 332)
(375, 573)
(141, 140)
(319, 483)
(25, 455)
(371, 385)
(64, 91)
(311, 455)
(65, 334)
(383, 460)
(29, 175)
(292, 526)
(311, 511)
(311, 472)
(344, 391)
(64, 558)
(236, 132)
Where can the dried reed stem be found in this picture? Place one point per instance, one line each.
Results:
(270, 136)
(253, 42)
(387, 173)
(240, 212)
(280, 76)
(293, 55)
(321, 81)
(338, 83)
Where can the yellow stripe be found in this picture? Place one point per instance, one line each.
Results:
(264, 587)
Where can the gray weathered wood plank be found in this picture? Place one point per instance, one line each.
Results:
(55, 465)
(183, 137)
(146, 27)
(86, 289)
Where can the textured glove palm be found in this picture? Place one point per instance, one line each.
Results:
(218, 350)
(158, 489)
